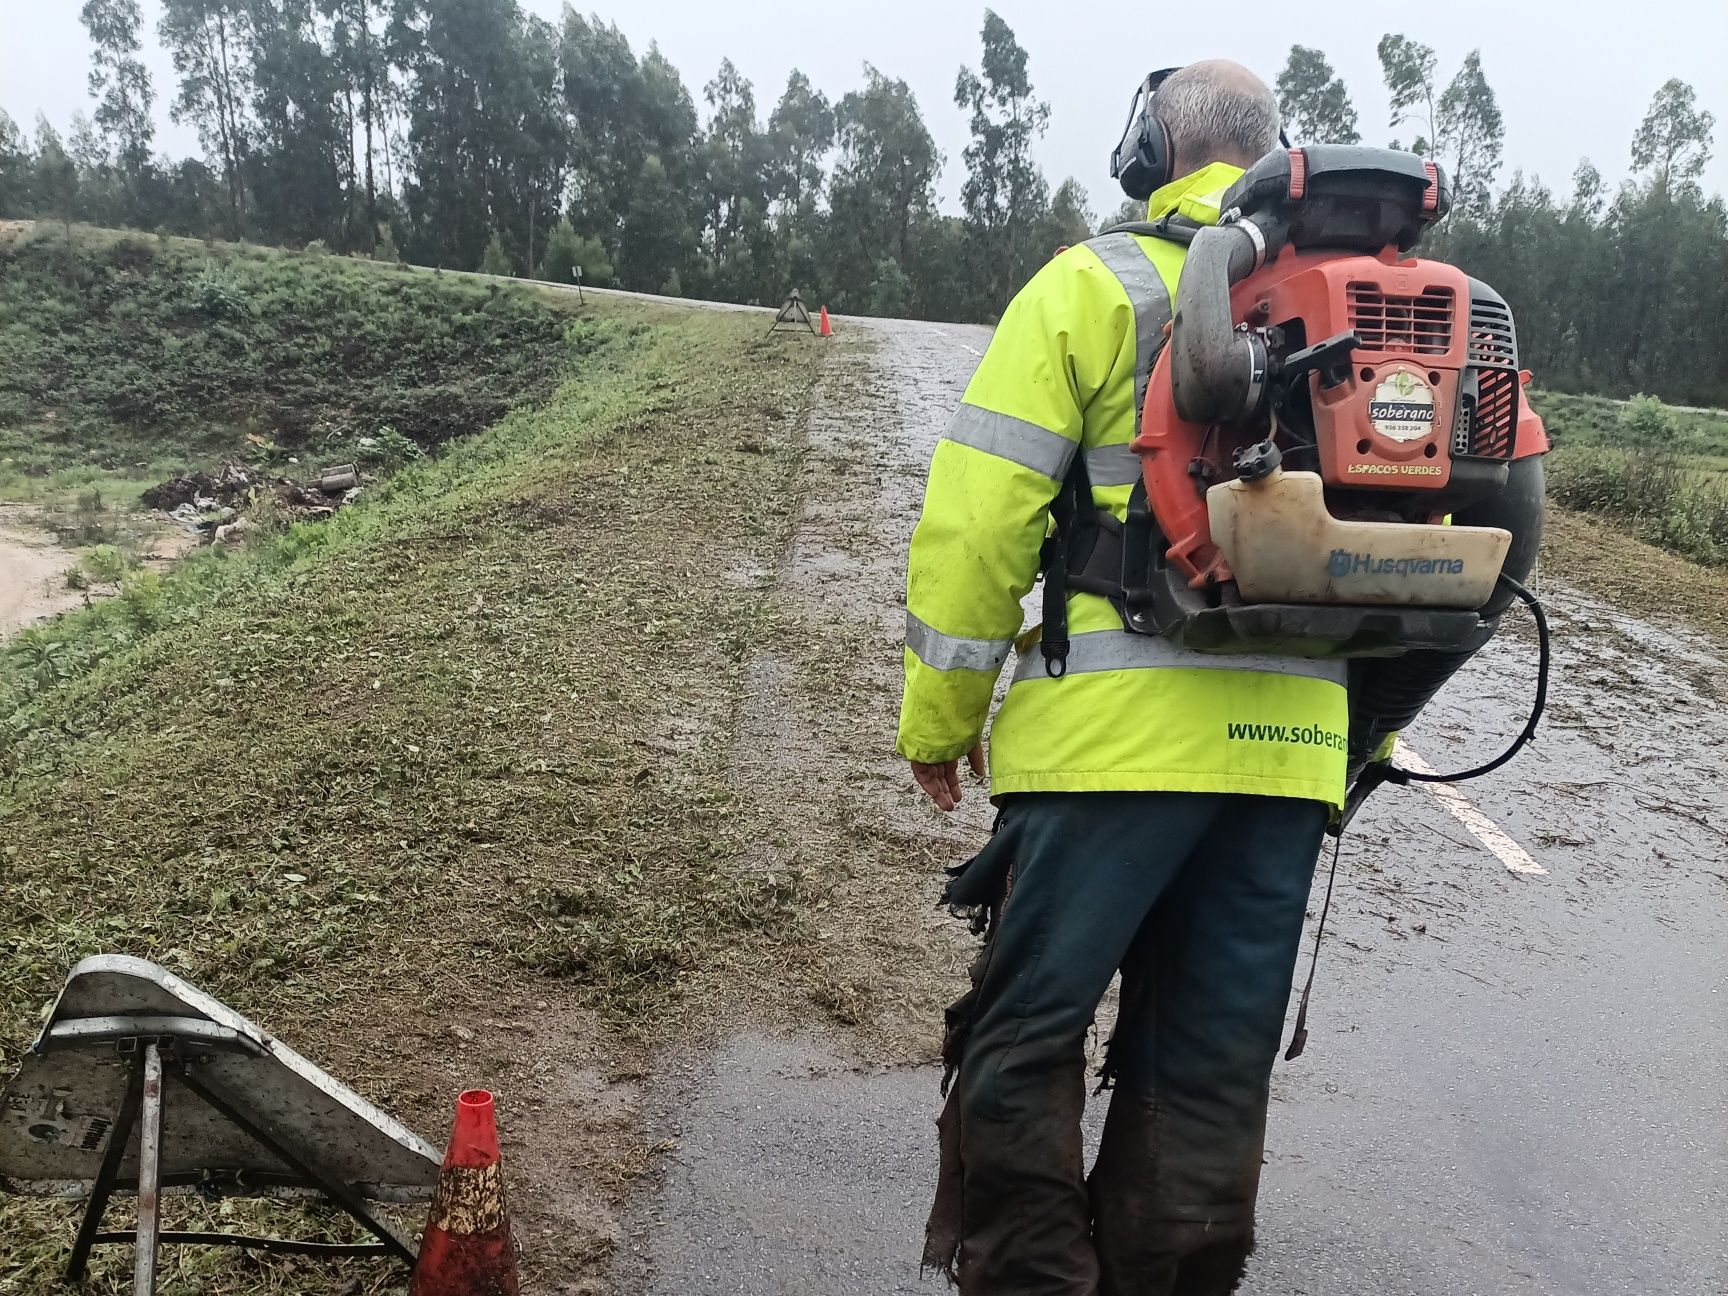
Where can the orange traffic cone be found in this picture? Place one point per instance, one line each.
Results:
(466, 1249)
(827, 328)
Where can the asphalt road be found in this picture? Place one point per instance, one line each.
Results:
(1516, 1081)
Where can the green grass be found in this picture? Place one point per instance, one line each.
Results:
(1579, 422)
(466, 736)
(125, 358)
(384, 703)
(1679, 504)
(1659, 471)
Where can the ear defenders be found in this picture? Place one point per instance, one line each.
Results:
(1144, 159)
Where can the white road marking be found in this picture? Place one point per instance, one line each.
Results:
(1482, 828)
(944, 333)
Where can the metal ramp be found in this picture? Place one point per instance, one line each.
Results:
(141, 1083)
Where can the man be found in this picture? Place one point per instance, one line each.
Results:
(1139, 830)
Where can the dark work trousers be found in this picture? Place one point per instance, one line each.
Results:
(1198, 898)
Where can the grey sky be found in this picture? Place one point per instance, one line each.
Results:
(1573, 80)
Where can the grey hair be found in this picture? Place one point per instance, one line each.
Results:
(1213, 116)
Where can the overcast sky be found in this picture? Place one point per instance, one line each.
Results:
(1573, 79)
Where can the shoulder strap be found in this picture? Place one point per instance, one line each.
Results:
(1073, 515)
(1170, 227)
(1084, 537)
(1123, 257)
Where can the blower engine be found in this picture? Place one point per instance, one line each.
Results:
(1337, 458)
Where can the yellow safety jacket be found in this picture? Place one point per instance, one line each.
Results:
(1065, 374)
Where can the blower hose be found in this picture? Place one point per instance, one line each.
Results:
(1392, 774)
(1543, 661)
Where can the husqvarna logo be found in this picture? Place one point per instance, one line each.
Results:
(1345, 563)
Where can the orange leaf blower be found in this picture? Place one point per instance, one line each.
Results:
(1337, 457)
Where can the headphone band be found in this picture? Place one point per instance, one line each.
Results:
(1145, 158)
(1142, 160)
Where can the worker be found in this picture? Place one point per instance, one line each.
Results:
(1161, 810)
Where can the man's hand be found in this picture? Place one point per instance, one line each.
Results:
(941, 783)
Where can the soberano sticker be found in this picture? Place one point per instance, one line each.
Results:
(1402, 408)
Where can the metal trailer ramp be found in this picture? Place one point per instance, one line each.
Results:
(141, 1083)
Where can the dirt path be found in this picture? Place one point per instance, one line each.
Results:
(1514, 1077)
(771, 1132)
(32, 573)
(33, 566)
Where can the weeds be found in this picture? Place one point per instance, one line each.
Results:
(1642, 423)
(1653, 468)
(1669, 501)
(105, 565)
(168, 352)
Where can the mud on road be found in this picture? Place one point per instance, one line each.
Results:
(1515, 1079)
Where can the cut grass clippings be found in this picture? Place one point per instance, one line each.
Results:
(469, 735)
(1600, 557)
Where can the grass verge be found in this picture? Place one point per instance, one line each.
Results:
(1661, 472)
(125, 358)
(458, 743)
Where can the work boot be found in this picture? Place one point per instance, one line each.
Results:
(1149, 1240)
(1214, 1270)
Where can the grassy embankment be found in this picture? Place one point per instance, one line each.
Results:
(457, 752)
(135, 358)
(1659, 471)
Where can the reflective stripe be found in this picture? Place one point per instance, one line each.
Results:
(1127, 260)
(950, 652)
(1107, 650)
(1013, 439)
(1112, 465)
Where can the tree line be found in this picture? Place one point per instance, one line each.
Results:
(469, 134)
(1614, 292)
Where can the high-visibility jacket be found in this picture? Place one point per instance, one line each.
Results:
(1064, 375)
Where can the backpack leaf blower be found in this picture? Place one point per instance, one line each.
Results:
(1337, 457)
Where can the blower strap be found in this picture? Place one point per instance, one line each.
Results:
(1171, 228)
(1090, 550)
(1070, 512)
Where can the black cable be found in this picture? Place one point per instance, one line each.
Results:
(1543, 658)
(1299, 1036)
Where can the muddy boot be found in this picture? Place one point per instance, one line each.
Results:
(1214, 1270)
(1154, 1232)
(1024, 1224)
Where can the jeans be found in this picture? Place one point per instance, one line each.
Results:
(1198, 899)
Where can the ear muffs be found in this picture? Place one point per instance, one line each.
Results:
(1144, 160)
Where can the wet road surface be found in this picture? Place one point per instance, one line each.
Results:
(1516, 1082)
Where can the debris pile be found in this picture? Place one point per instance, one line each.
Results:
(214, 504)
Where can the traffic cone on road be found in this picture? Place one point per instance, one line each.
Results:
(466, 1249)
(827, 328)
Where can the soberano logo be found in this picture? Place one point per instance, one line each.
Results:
(1402, 407)
(1345, 563)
